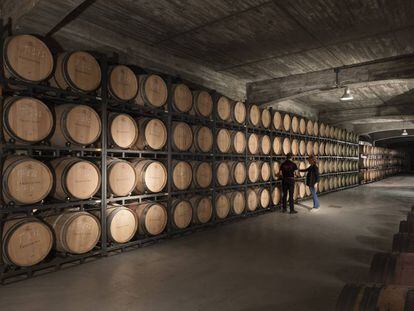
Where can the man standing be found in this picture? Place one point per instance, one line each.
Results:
(312, 178)
(287, 170)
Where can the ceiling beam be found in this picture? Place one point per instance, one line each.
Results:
(381, 124)
(352, 115)
(294, 86)
(38, 16)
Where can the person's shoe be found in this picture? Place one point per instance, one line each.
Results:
(315, 209)
(293, 212)
(284, 210)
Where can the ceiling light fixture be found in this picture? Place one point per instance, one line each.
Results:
(347, 95)
(404, 133)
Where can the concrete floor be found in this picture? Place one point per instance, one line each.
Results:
(271, 262)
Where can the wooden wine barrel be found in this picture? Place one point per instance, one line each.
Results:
(202, 209)
(307, 190)
(202, 103)
(265, 171)
(265, 144)
(286, 122)
(322, 148)
(202, 174)
(375, 297)
(182, 98)
(121, 223)
(152, 92)
(263, 195)
(266, 118)
(302, 148)
(237, 202)
(238, 142)
(182, 136)
(301, 190)
(286, 146)
(301, 166)
(321, 166)
(222, 206)
(332, 132)
(302, 126)
(335, 149)
(315, 128)
(253, 144)
(322, 130)
(276, 195)
(223, 173)
(76, 232)
(295, 124)
(151, 175)
(75, 178)
(26, 120)
(25, 180)
(396, 269)
(181, 213)
(277, 146)
(224, 109)
(336, 133)
(75, 125)
(252, 200)
(203, 139)
(275, 170)
(77, 71)
(27, 58)
(296, 192)
(123, 130)
(122, 83)
(309, 147)
(223, 140)
(152, 217)
(254, 115)
(327, 130)
(294, 147)
(152, 134)
(121, 177)
(315, 148)
(321, 185)
(326, 185)
(309, 127)
(403, 242)
(239, 113)
(237, 172)
(26, 241)
(182, 175)
(253, 171)
(277, 121)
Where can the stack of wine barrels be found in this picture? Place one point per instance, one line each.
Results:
(244, 143)
(391, 277)
(377, 163)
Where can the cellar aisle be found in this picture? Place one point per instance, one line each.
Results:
(272, 262)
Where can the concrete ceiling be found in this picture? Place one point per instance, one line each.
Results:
(226, 44)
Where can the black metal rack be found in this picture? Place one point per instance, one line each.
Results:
(105, 105)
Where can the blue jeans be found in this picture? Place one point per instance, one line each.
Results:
(315, 197)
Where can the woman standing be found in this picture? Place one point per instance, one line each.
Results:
(312, 178)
